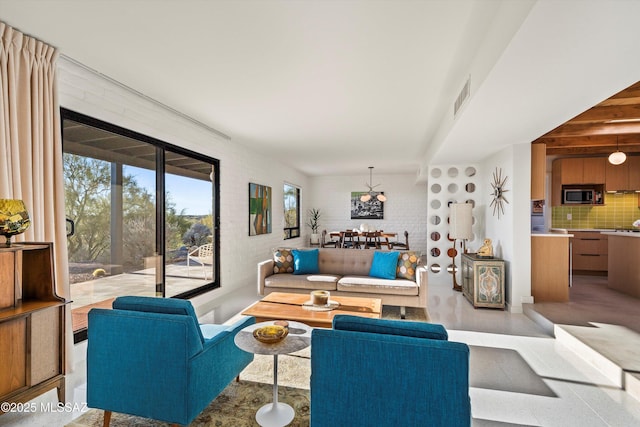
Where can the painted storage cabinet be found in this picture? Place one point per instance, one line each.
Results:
(483, 281)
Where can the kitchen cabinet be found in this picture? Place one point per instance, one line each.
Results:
(594, 170)
(571, 170)
(31, 324)
(550, 267)
(538, 170)
(624, 268)
(634, 172)
(589, 251)
(617, 177)
(483, 281)
(580, 170)
(624, 177)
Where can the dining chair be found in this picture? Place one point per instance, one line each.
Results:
(348, 239)
(331, 243)
(372, 239)
(401, 245)
(384, 239)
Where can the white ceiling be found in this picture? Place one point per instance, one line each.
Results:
(336, 85)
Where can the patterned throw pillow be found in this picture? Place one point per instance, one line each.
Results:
(407, 265)
(283, 261)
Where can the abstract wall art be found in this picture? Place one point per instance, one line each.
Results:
(260, 214)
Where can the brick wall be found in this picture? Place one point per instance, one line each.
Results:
(405, 208)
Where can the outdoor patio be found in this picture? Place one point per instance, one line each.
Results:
(99, 292)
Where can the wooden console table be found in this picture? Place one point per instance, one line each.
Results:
(483, 281)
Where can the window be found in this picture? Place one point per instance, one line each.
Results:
(291, 211)
(142, 216)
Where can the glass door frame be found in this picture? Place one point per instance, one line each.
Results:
(161, 148)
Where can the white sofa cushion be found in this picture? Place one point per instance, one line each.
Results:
(372, 285)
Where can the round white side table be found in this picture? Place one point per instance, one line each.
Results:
(275, 414)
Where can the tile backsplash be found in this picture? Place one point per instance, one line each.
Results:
(619, 210)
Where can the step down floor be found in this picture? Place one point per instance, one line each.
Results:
(613, 350)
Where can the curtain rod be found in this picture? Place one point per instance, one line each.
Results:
(148, 98)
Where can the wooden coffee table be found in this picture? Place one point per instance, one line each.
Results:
(288, 306)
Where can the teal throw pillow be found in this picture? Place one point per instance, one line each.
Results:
(384, 265)
(306, 262)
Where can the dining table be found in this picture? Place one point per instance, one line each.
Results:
(360, 235)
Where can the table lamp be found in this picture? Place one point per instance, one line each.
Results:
(14, 218)
(460, 221)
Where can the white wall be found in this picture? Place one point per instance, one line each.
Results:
(88, 93)
(405, 208)
(511, 233)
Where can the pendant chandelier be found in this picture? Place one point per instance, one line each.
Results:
(617, 157)
(372, 194)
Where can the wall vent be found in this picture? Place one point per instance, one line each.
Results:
(462, 97)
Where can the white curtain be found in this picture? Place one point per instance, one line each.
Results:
(31, 146)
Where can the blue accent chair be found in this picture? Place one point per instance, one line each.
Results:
(149, 357)
(391, 373)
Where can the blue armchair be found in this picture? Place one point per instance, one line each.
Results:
(388, 373)
(149, 357)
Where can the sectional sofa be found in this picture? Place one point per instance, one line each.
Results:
(346, 272)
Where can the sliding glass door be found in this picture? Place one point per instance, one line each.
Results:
(141, 216)
(190, 240)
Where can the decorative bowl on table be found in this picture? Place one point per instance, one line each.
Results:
(270, 334)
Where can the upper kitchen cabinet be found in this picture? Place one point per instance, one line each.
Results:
(624, 177)
(581, 170)
(594, 170)
(571, 170)
(538, 170)
(634, 172)
(617, 177)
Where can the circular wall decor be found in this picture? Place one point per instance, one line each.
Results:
(497, 196)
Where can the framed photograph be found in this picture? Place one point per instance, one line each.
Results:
(537, 207)
(260, 214)
(373, 209)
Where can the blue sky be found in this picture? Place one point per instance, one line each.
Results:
(192, 195)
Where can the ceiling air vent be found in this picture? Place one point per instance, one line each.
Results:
(463, 96)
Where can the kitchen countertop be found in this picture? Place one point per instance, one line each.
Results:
(551, 235)
(591, 229)
(621, 233)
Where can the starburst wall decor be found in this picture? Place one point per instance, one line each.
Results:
(498, 199)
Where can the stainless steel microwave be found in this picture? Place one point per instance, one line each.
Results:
(578, 196)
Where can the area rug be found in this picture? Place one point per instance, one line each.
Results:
(236, 406)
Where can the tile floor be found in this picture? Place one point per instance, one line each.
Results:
(520, 375)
